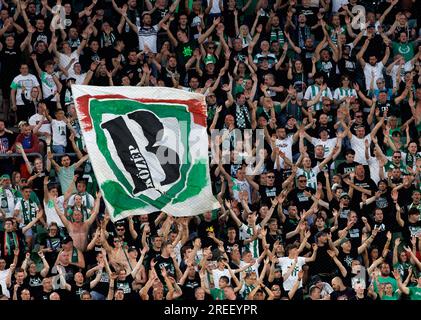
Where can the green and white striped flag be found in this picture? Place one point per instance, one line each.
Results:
(148, 147)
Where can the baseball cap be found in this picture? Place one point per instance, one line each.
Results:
(344, 240)
(132, 248)
(67, 240)
(5, 176)
(336, 186)
(343, 195)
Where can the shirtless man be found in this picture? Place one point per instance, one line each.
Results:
(117, 254)
(78, 229)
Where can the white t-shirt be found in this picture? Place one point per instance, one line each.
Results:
(285, 263)
(284, 145)
(64, 59)
(328, 145)
(87, 200)
(80, 78)
(59, 132)
(217, 274)
(29, 81)
(368, 68)
(36, 118)
(358, 145)
(241, 186)
(50, 211)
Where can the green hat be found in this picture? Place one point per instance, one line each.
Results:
(344, 240)
(209, 59)
(5, 176)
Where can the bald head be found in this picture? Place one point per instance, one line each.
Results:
(337, 284)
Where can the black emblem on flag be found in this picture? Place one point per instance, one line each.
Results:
(129, 153)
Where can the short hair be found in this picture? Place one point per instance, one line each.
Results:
(225, 279)
(350, 151)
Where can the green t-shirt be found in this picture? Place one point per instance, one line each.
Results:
(217, 294)
(383, 280)
(65, 176)
(394, 297)
(415, 293)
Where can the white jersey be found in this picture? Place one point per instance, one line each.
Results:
(253, 268)
(358, 145)
(59, 132)
(285, 263)
(341, 93)
(311, 176)
(312, 92)
(246, 232)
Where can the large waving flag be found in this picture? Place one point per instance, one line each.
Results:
(148, 147)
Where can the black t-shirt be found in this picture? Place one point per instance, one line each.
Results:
(300, 199)
(367, 183)
(126, 286)
(268, 193)
(103, 285)
(34, 283)
(190, 286)
(346, 294)
(204, 228)
(9, 59)
(53, 243)
(167, 263)
(346, 258)
(76, 291)
(346, 168)
(411, 230)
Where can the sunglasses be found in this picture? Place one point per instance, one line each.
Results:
(302, 180)
(358, 116)
(270, 177)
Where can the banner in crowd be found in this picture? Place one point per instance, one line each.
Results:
(148, 147)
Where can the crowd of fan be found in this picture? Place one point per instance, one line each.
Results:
(332, 209)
